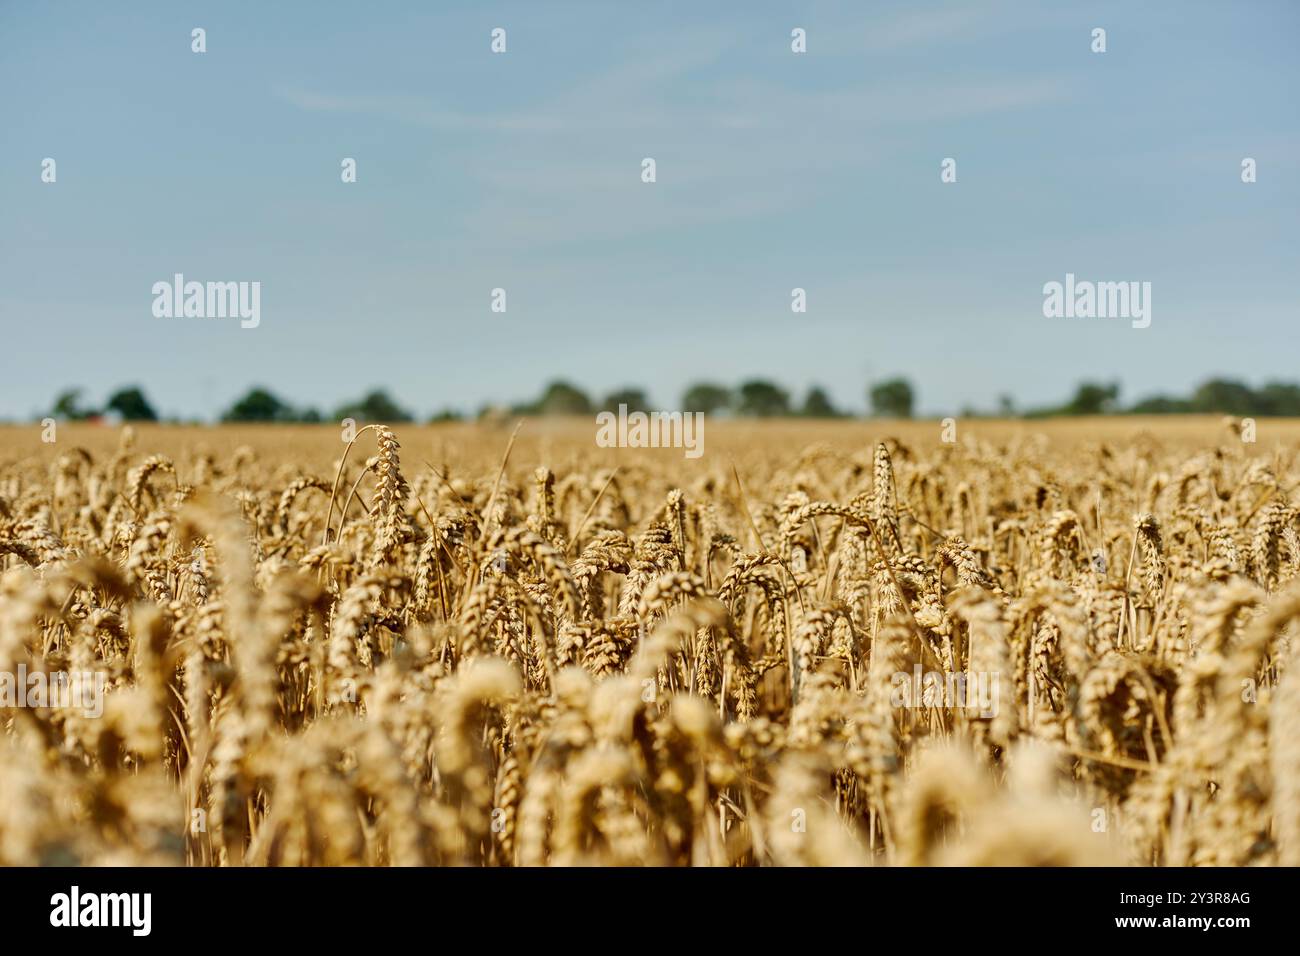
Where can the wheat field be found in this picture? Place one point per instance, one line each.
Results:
(842, 643)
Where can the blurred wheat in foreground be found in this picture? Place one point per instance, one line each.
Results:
(386, 661)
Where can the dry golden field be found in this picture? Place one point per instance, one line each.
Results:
(834, 643)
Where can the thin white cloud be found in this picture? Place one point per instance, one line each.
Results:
(729, 148)
(416, 111)
(919, 27)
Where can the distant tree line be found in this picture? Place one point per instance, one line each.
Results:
(262, 405)
(129, 403)
(1216, 396)
(756, 398)
(257, 405)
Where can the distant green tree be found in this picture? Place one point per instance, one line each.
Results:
(1225, 396)
(706, 397)
(1278, 398)
(1091, 398)
(259, 405)
(446, 415)
(892, 398)
(131, 404)
(817, 404)
(634, 398)
(68, 406)
(374, 407)
(1161, 405)
(762, 399)
(562, 398)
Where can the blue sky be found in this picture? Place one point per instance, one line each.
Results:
(522, 171)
